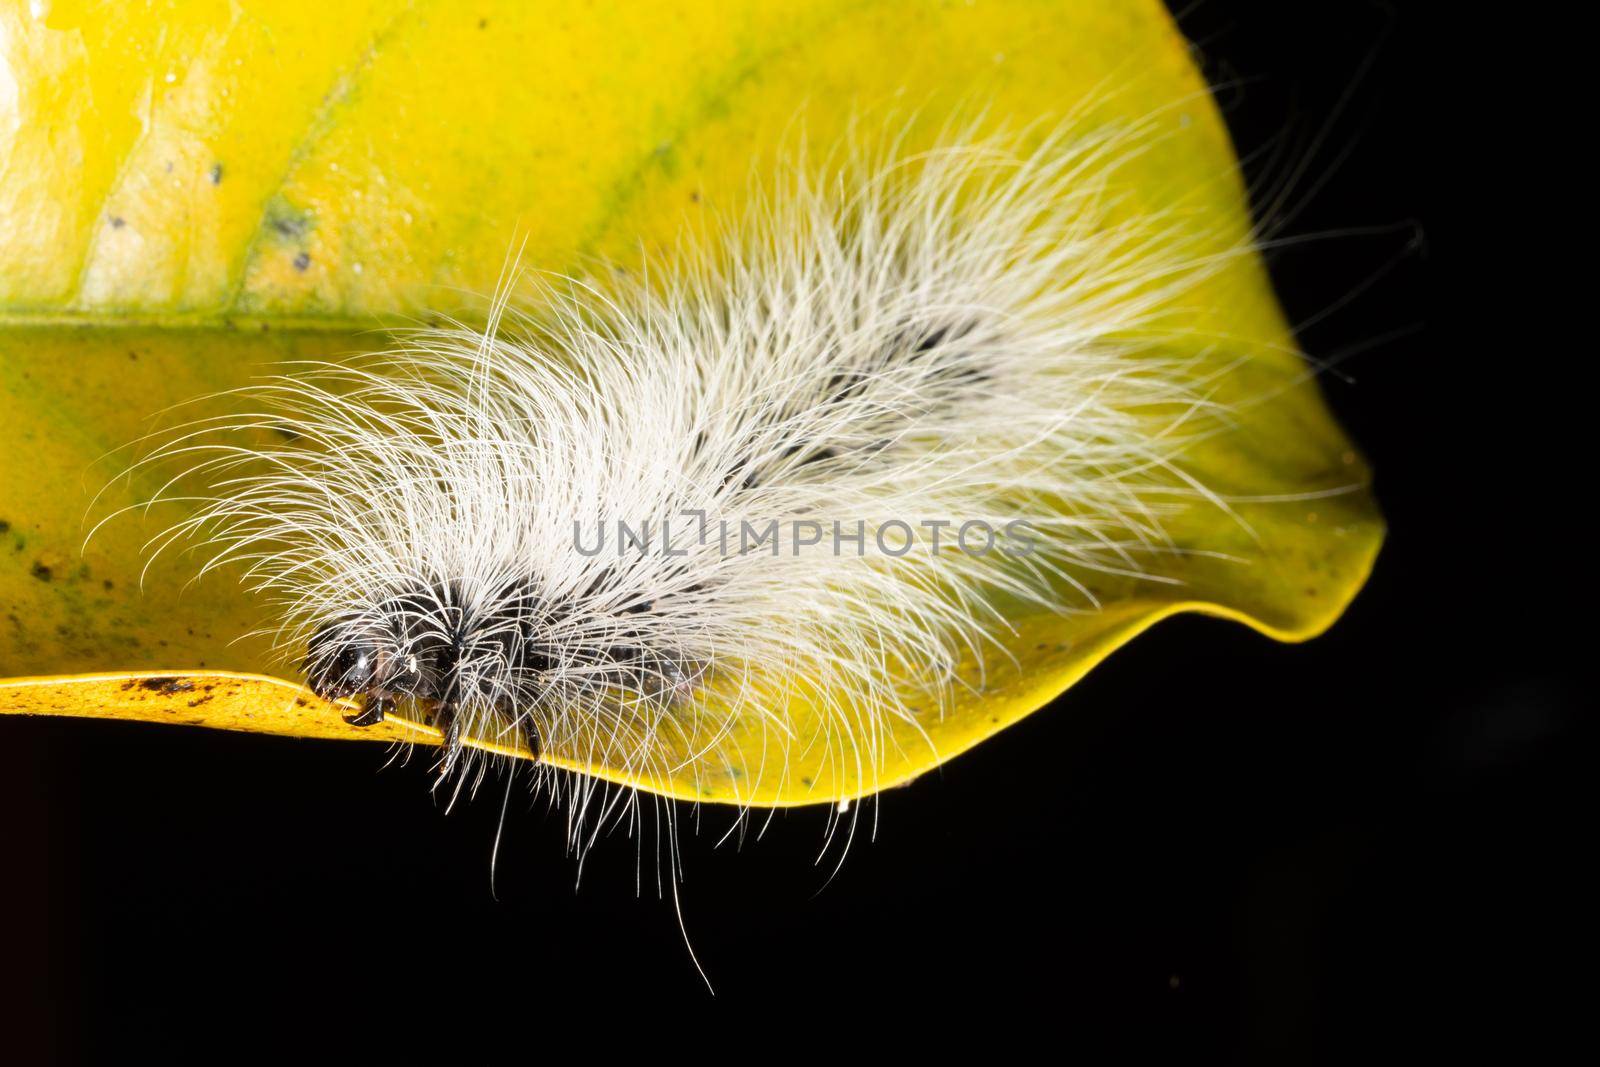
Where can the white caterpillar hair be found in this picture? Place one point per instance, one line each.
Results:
(970, 335)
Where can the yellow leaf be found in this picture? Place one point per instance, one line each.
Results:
(192, 191)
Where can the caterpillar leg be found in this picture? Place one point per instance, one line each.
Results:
(448, 724)
(371, 713)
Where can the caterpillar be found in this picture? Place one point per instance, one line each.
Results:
(627, 513)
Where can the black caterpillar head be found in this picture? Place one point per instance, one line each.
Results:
(425, 645)
(366, 655)
(444, 647)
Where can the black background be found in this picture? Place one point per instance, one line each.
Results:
(1218, 844)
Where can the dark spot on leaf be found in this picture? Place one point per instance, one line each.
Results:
(41, 570)
(197, 702)
(166, 685)
(118, 222)
(302, 261)
(483, 24)
(108, 584)
(5, 527)
(216, 174)
(286, 220)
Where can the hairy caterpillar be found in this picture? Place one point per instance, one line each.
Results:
(887, 343)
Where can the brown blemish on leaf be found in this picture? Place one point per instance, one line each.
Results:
(167, 685)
